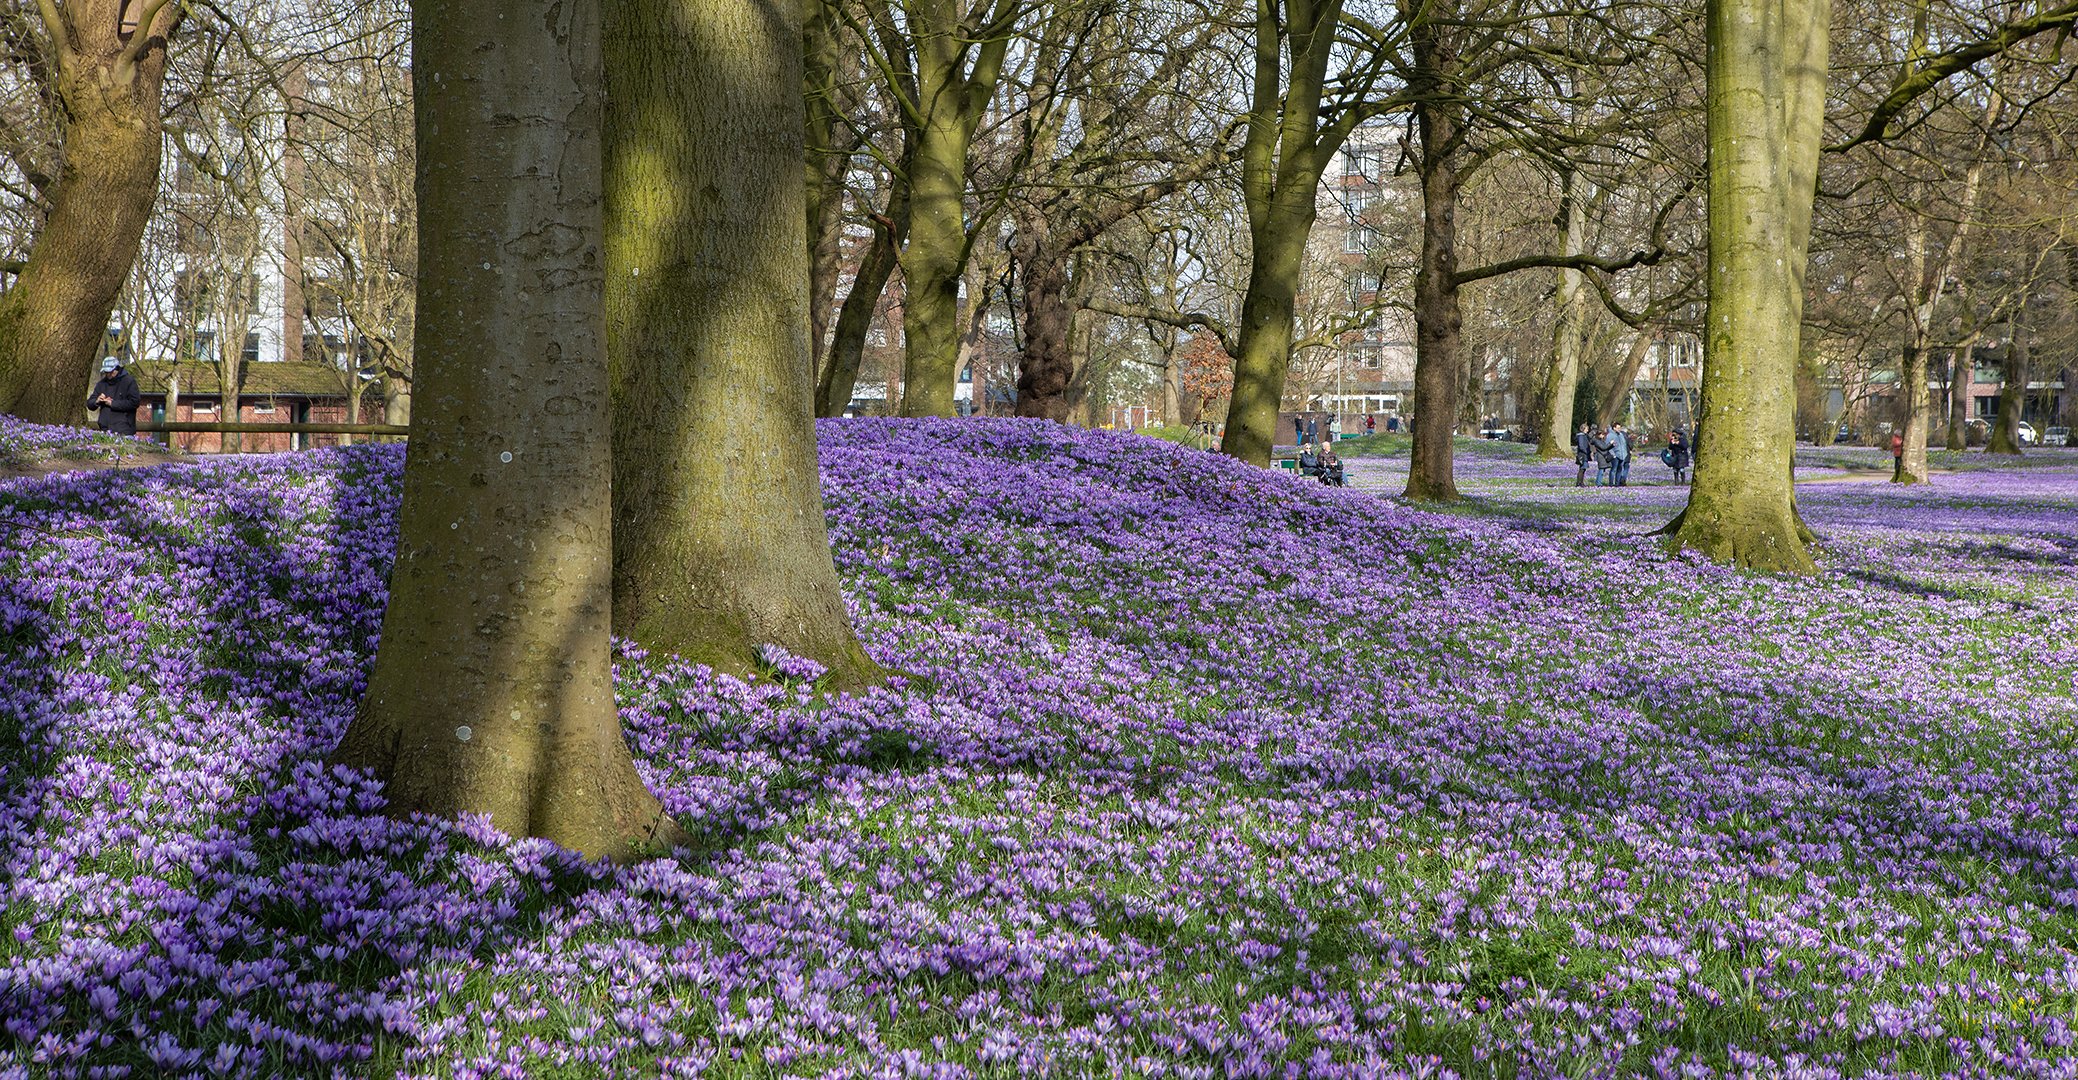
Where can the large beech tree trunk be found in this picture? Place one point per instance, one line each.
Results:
(492, 691)
(931, 265)
(1766, 68)
(719, 540)
(53, 320)
(1438, 321)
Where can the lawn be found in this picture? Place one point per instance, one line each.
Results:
(1194, 770)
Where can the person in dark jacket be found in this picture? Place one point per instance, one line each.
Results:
(1309, 462)
(1605, 459)
(116, 397)
(1583, 452)
(1298, 431)
(1331, 469)
(1677, 454)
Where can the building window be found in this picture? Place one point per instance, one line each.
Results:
(251, 353)
(1986, 407)
(1366, 161)
(199, 407)
(263, 408)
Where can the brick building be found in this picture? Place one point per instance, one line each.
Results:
(272, 393)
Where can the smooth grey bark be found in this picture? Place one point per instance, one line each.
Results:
(492, 691)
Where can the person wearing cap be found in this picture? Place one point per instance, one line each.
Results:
(116, 397)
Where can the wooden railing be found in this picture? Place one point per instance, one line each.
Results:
(227, 426)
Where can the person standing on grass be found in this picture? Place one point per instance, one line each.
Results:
(1370, 424)
(1583, 452)
(1298, 430)
(116, 397)
(1605, 459)
(1897, 452)
(1677, 455)
(1620, 449)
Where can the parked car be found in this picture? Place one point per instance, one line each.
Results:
(1977, 431)
(2056, 436)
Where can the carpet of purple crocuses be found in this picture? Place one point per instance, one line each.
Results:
(1195, 770)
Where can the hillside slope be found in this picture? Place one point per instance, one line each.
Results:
(1194, 770)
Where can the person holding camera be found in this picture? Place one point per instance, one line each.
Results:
(116, 397)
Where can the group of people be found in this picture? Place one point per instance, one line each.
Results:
(1610, 450)
(1322, 464)
(1311, 428)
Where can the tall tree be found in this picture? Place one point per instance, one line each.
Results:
(1562, 379)
(492, 691)
(101, 64)
(1298, 118)
(1100, 128)
(940, 61)
(719, 539)
(1766, 64)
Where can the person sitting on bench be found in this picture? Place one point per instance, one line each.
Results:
(1309, 462)
(1331, 469)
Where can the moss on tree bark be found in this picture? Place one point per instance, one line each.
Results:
(1766, 71)
(719, 540)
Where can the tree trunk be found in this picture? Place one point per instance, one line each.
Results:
(1913, 416)
(230, 384)
(1930, 280)
(825, 164)
(1048, 365)
(973, 352)
(1438, 322)
(396, 402)
(855, 317)
(719, 539)
(1961, 362)
(54, 318)
(1082, 338)
(2013, 375)
(1471, 408)
(492, 691)
(1766, 71)
(931, 266)
(1617, 401)
(1561, 383)
(1278, 257)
